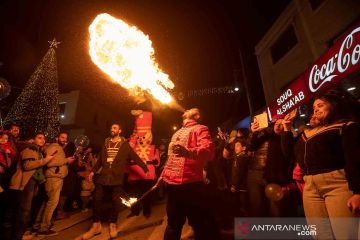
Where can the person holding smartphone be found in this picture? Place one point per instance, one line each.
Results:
(55, 173)
(28, 176)
(269, 165)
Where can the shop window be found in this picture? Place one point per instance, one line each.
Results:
(316, 3)
(284, 44)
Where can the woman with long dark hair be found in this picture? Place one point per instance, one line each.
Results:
(331, 166)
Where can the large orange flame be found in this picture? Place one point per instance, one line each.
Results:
(126, 54)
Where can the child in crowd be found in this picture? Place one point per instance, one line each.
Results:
(86, 163)
(239, 173)
(7, 153)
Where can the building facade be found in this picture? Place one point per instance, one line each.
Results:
(81, 114)
(304, 31)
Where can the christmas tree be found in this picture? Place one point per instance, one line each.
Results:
(36, 109)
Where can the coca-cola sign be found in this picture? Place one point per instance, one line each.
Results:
(346, 57)
(338, 62)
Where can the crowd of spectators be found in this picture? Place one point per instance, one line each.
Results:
(261, 172)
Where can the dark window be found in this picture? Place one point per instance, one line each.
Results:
(284, 44)
(316, 3)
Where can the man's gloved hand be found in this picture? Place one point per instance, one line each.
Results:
(181, 151)
(154, 162)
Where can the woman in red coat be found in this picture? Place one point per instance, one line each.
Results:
(7, 153)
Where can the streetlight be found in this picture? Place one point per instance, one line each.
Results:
(236, 86)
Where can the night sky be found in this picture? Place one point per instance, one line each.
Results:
(198, 43)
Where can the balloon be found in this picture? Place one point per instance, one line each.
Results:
(274, 192)
(5, 88)
(82, 141)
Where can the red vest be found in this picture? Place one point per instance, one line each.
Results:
(197, 139)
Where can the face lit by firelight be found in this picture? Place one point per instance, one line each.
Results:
(15, 131)
(39, 140)
(322, 109)
(278, 127)
(115, 130)
(4, 139)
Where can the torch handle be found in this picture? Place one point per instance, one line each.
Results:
(150, 190)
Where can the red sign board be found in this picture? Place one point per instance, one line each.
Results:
(339, 61)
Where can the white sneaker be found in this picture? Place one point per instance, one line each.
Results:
(27, 235)
(112, 230)
(94, 230)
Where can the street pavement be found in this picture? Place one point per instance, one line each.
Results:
(134, 228)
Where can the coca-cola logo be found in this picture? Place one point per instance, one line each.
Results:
(338, 63)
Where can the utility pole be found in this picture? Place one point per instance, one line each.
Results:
(245, 81)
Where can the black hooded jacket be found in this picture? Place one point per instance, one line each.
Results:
(113, 174)
(275, 163)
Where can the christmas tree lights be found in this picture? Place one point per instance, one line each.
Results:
(36, 109)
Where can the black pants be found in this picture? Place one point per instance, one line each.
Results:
(8, 206)
(189, 201)
(137, 189)
(116, 192)
(261, 206)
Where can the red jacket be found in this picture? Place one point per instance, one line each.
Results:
(10, 156)
(197, 139)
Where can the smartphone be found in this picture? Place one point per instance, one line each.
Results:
(262, 119)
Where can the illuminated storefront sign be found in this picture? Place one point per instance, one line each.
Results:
(339, 61)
